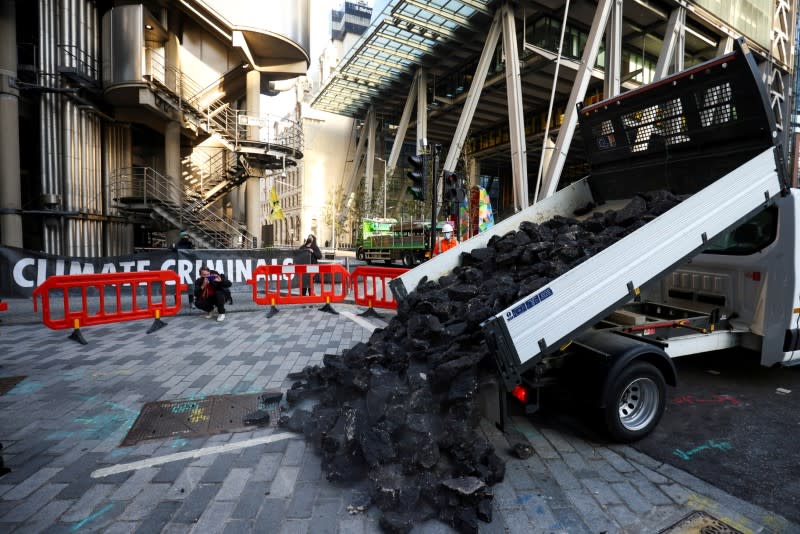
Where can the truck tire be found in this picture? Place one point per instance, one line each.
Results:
(635, 402)
(409, 260)
(360, 253)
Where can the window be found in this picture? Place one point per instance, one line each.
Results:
(749, 237)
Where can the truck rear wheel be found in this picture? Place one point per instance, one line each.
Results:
(360, 253)
(408, 259)
(635, 402)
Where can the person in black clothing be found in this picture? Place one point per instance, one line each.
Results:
(308, 254)
(210, 291)
(184, 242)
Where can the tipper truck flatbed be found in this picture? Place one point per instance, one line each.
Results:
(608, 327)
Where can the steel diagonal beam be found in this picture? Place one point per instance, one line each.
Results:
(582, 77)
(516, 121)
(474, 94)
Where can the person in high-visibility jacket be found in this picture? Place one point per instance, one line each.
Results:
(447, 241)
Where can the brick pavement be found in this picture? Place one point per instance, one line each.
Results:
(67, 418)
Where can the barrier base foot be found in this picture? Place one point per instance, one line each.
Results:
(370, 312)
(77, 336)
(272, 311)
(158, 324)
(329, 309)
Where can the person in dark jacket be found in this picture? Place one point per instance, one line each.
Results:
(209, 292)
(308, 254)
(184, 242)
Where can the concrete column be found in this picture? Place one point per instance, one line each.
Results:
(253, 184)
(172, 61)
(172, 168)
(10, 194)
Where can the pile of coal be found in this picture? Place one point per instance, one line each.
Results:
(400, 410)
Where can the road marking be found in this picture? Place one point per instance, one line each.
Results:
(363, 323)
(197, 453)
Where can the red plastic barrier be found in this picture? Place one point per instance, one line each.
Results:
(3, 306)
(371, 286)
(283, 284)
(121, 283)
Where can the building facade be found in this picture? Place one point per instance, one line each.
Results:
(123, 124)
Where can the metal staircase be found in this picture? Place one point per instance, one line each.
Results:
(204, 109)
(143, 192)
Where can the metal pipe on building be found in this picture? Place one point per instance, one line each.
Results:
(10, 186)
(253, 191)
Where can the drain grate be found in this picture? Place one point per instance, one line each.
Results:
(700, 523)
(7, 383)
(215, 414)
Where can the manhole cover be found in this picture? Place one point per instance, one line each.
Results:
(700, 523)
(7, 383)
(214, 414)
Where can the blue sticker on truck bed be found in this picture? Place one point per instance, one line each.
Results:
(524, 306)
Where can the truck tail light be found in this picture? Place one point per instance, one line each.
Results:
(520, 393)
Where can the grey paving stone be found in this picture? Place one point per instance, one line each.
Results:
(590, 510)
(186, 482)
(131, 487)
(238, 526)
(324, 518)
(170, 471)
(271, 515)
(632, 498)
(537, 507)
(88, 502)
(618, 462)
(302, 501)
(219, 470)
(568, 520)
(45, 518)
(677, 493)
(284, 481)
(250, 501)
(311, 469)
(21, 511)
(562, 473)
(649, 490)
(517, 522)
(295, 449)
(601, 491)
(606, 471)
(195, 504)
(31, 484)
(214, 517)
(518, 477)
(234, 484)
(144, 502)
(295, 526)
(158, 517)
(557, 440)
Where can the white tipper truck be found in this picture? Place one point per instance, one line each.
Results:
(718, 270)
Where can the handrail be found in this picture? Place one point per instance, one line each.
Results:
(146, 185)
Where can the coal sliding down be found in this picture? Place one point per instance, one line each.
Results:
(400, 411)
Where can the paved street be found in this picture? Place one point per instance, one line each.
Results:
(66, 419)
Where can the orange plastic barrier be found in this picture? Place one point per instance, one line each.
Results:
(371, 286)
(121, 284)
(284, 284)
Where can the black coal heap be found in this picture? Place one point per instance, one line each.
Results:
(400, 410)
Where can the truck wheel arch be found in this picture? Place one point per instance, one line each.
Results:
(658, 359)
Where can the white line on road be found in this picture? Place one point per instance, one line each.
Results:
(197, 453)
(363, 323)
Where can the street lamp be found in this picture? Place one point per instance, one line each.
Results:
(385, 163)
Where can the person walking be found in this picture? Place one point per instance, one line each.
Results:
(209, 292)
(308, 254)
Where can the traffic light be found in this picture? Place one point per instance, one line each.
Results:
(453, 192)
(417, 175)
